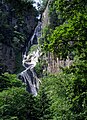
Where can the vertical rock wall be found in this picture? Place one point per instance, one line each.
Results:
(45, 17)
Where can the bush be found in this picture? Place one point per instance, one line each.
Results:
(16, 103)
(39, 69)
(8, 81)
(66, 93)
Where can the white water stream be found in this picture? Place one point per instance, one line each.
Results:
(29, 76)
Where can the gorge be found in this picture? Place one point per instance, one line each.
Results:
(46, 81)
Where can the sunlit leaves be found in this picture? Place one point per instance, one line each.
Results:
(15, 102)
(73, 31)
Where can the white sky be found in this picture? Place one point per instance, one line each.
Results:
(36, 0)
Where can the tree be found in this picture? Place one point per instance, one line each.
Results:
(16, 103)
(71, 35)
(8, 81)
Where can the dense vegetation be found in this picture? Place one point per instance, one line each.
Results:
(17, 104)
(66, 36)
(62, 96)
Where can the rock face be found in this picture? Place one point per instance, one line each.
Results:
(7, 57)
(15, 32)
(54, 63)
(45, 16)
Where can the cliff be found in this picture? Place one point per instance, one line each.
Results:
(18, 22)
(45, 16)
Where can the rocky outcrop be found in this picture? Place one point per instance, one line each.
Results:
(45, 17)
(55, 64)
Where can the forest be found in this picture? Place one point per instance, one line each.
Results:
(62, 95)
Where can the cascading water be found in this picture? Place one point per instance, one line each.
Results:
(29, 76)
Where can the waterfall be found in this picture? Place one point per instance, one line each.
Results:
(28, 76)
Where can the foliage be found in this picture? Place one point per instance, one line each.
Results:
(9, 80)
(78, 97)
(18, 62)
(67, 91)
(39, 69)
(70, 8)
(32, 49)
(14, 100)
(8, 28)
(41, 66)
(44, 40)
(16, 103)
(68, 38)
(67, 96)
(44, 105)
(20, 5)
(62, 96)
(55, 17)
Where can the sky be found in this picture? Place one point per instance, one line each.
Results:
(36, 0)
